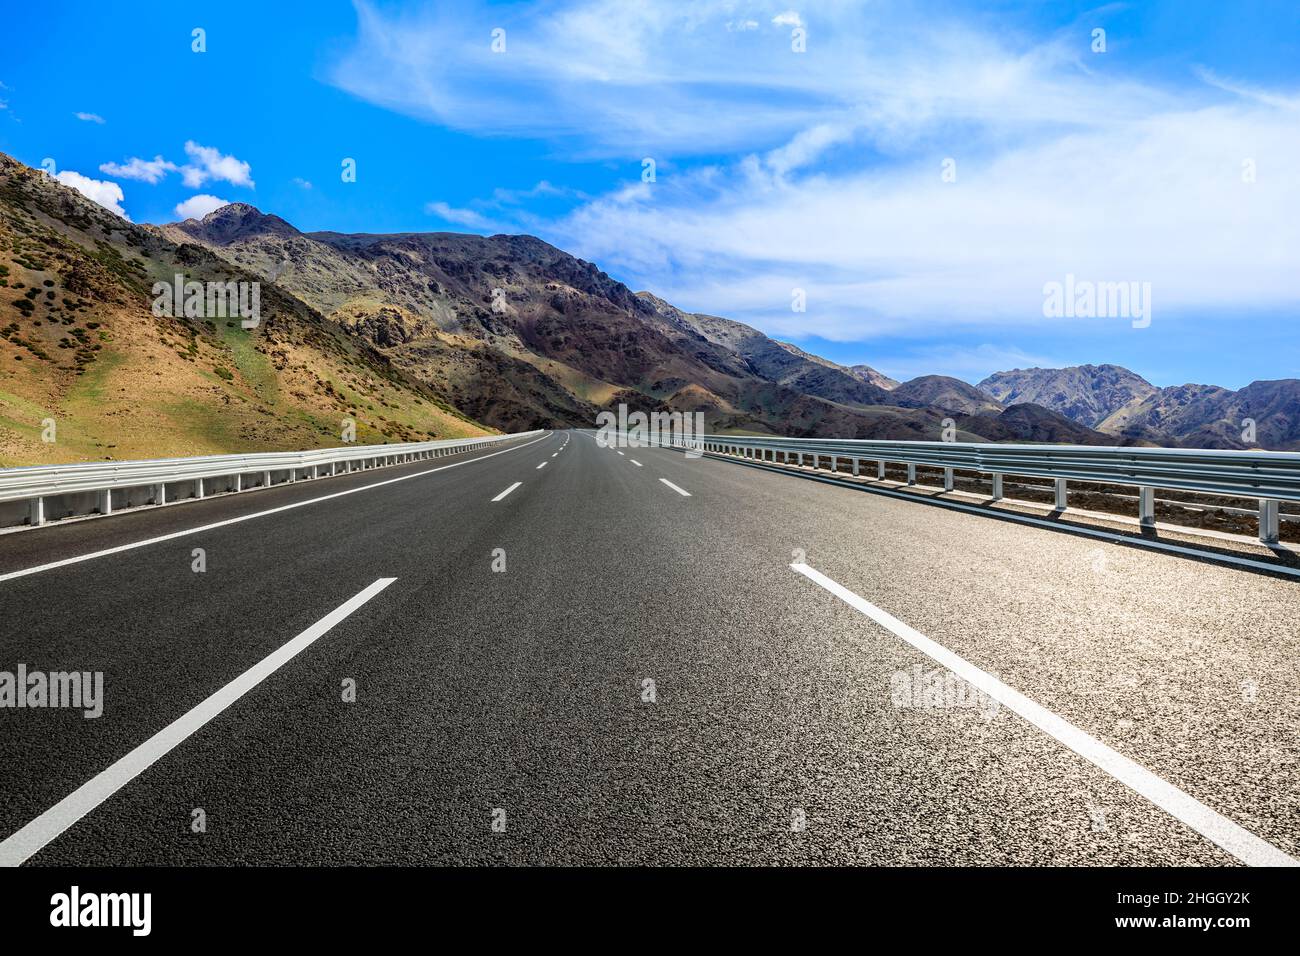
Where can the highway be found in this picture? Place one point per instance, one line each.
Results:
(684, 661)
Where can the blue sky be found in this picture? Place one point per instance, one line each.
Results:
(776, 169)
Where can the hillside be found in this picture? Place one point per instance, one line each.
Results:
(1027, 422)
(80, 345)
(1087, 394)
(517, 333)
(1116, 401)
(1206, 416)
(863, 373)
(950, 394)
(420, 335)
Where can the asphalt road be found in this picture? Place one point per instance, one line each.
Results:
(505, 716)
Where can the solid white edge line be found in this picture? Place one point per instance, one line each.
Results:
(35, 835)
(1210, 824)
(507, 491)
(258, 514)
(684, 494)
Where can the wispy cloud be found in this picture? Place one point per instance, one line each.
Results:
(460, 217)
(825, 170)
(969, 363)
(90, 118)
(144, 170)
(601, 77)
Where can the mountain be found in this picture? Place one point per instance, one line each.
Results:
(80, 347)
(1206, 416)
(412, 335)
(863, 373)
(950, 394)
(517, 333)
(1027, 422)
(869, 375)
(420, 335)
(1088, 394)
(1118, 402)
(771, 360)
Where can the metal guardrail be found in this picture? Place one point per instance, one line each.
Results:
(1269, 476)
(201, 476)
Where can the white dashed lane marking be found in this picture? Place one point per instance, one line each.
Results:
(507, 491)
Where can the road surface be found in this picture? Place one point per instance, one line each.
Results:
(682, 662)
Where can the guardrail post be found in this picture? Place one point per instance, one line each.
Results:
(314, 472)
(1269, 522)
(856, 462)
(1060, 494)
(239, 482)
(880, 469)
(911, 473)
(198, 487)
(266, 480)
(1147, 507)
(36, 511)
(947, 479)
(997, 487)
(160, 493)
(104, 501)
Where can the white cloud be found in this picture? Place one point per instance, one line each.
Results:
(206, 163)
(107, 194)
(196, 207)
(90, 118)
(882, 248)
(834, 181)
(301, 183)
(144, 170)
(209, 163)
(461, 217)
(611, 79)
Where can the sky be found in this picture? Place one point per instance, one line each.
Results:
(891, 183)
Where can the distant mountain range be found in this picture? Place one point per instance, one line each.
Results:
(416, 335)
(1118, 402)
